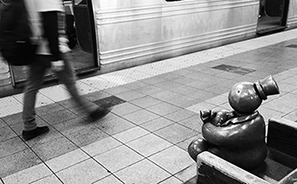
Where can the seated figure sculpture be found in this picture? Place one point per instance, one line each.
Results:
(237, 136)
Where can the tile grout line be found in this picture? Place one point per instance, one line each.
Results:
(240, 50)
(76, 145)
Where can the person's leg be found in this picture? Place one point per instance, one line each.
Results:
(34, 81)
(68, 78)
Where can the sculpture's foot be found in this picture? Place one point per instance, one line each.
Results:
(197, 146)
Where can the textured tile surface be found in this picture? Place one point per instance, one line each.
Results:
(87, 171)
(58, 163)
(172, 159)
(29, 175)
(142, 172)
(118, 158)
(149, 144)
(147, 135)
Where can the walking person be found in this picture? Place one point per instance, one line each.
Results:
(44, 18)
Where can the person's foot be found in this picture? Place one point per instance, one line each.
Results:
(99, 113)
(30, 134)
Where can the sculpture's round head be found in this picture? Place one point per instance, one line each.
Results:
(243, 98)
(246, 97)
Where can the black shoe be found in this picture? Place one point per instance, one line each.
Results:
(98, 114)
(27, 135)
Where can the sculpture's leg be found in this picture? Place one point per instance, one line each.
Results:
(197, 146)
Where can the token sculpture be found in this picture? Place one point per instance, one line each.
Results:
(237, 136)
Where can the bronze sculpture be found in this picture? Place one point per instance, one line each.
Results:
(237, 136)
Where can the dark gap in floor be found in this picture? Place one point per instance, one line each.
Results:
(234, 69)
(109, 101)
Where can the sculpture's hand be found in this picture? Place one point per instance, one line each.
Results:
(217, 118)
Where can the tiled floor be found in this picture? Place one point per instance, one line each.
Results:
(155, 116)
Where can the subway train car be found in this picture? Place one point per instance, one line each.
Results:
(115, 34)
(138, 31)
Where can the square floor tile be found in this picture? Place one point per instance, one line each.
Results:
(118, 158)
(109, 180)
(184, 80)
(59, 116)
(130, 95)
(17, 162)
(52, 179)
(149, 90)
(283, 104)
(66, 160)
(125, 108)
(71, 125)
(49, 109)
(149, 144)
(218, 100)
(143, 172)
(184, 101)
(11, 146)
(201, 95)
(114, 126)
(2, 123)
(87, 171)
(165, 95)
(172, 180)
(218, 89)
(13, 119)
(184, 89)
(54, 148)
(185, 143)
(140, 117)
(200, 106)
(175, 133)
(192, 181)
(101, 146)
(163, 109)
(285, 87)
(28, 175)
(187, 173)
(6, 133)
(145, 101)
(270, 113)
(156, 124)
(180, 115)
(85, 135)
(172, 159)
(194, 123)
(131, 134)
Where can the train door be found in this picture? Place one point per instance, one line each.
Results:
(272, 16)
(80, 33)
